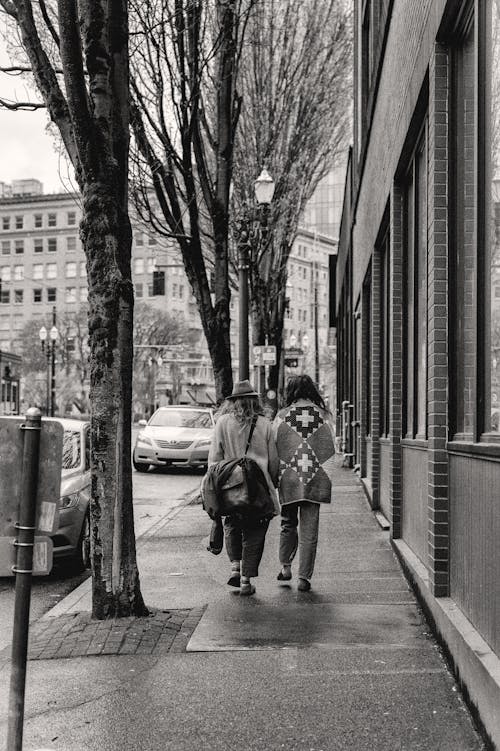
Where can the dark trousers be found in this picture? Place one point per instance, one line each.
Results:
(245, 542)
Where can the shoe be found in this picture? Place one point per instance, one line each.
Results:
(304, 585)
(234, 580)
(247, 589)
(282, 577)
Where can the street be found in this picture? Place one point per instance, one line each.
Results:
(154, 493)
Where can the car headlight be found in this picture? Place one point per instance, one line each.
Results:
(141, 438)
(69, 501)
(204, 442)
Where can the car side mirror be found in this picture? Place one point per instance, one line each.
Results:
(142, 423)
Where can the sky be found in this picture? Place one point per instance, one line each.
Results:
(26, 149)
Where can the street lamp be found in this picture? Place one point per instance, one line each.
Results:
(264, 191)
(50, 351)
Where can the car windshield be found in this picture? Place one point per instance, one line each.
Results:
(181, 418)
(72, 449)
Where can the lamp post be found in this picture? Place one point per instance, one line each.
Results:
(50, 351)
(264, 191)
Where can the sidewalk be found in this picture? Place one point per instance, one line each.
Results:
(349, 665)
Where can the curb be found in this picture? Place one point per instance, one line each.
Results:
(73, 598)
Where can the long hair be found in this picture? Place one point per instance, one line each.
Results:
(244, 408)
(303, 387)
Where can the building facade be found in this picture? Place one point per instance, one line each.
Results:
(43, 271)
(418, 313)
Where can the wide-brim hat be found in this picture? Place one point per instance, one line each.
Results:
(242, 389)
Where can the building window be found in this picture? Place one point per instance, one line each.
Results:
(70, 294)
(83, 268)
(385, 329)
(19, 222)
(52, 244)
(462, 244)
(70, 269)
(38, 245)
(51, 294)
(150, 289)
(181, 292)
(139, 266)
(415, 300)
(492, 402)
(19, 246)
(52, 220)
(4, 296)
(152, 241)
(37, 295)
(71, 218)
(138, 289)
(18, 273)
(5, 247)
(6, 222)
(51, 270)
(38, 221)
(174, 290)
(18, 296)
(139, 239)
(151, 265)
(71, 243)
(38, 271)
(5, 274)
(84, 294)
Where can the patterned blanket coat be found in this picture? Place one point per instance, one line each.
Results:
(306, 451)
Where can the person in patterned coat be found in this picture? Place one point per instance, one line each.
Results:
(306, 449)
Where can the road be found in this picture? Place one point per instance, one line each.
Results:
(154, 493)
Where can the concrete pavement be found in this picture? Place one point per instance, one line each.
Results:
(349, 665)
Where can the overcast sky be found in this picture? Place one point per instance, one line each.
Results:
(26, 149)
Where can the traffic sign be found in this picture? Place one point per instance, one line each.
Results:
(264, 355)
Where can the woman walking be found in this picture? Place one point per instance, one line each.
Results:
(306, 449)
(245, 537)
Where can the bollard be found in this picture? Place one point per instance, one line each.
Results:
(23, 570)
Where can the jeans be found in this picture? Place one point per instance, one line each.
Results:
(305, 539)
(245, 542)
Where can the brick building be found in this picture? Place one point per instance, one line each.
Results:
(418, 311)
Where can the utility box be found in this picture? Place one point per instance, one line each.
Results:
(48, 491)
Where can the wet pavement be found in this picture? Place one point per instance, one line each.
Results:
(349, 665)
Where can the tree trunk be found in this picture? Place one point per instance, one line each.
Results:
(107, 239)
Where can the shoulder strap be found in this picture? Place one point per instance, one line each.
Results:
(252, 428)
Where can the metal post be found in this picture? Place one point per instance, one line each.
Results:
(53, 368)
(316, 335)
(23, 570)
(47, 385)
(244, 373)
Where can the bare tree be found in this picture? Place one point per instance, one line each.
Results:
(295, 78)
(185, 113)
(154, 327)
(87, 42)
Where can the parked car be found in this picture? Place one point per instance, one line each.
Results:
(174, 435)
(72, 538)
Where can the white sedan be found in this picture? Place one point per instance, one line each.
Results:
(174, 435)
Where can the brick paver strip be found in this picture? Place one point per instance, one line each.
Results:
(77, 635)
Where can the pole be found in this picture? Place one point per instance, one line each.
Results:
(53, 368)
(23, 570)
(244, 373)
(47, 384)
(316, 336)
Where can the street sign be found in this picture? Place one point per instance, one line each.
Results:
(42, 555)
(48, 482)
(264, 355)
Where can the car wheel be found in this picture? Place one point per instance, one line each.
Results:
(81, 559)
(140, 466)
